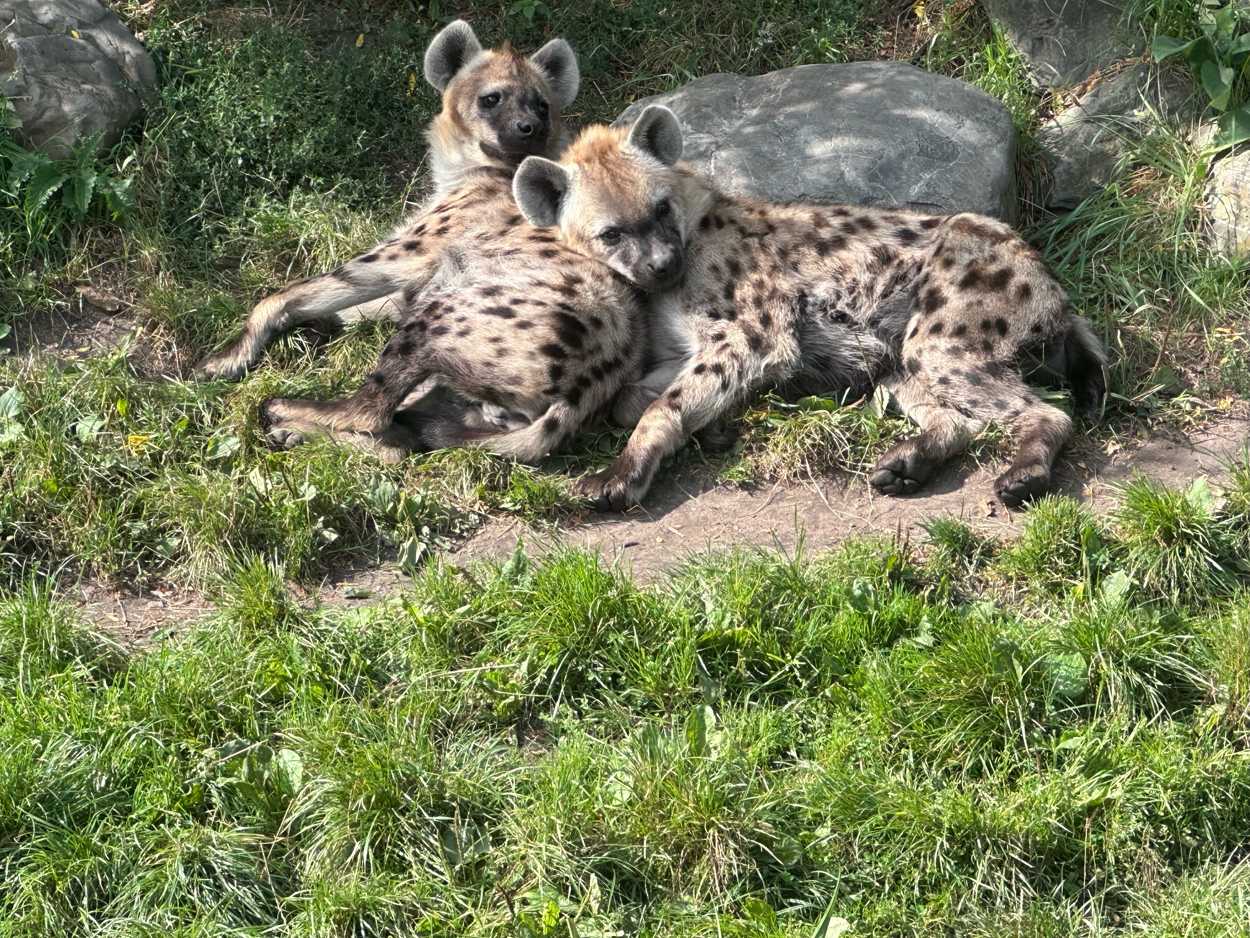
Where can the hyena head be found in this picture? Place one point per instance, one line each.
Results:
(498, 106)
(618, 195)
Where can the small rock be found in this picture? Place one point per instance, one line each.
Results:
(71, 69)
(1065, 41)
(1083, 144)
(877, 133)
(1228, 204)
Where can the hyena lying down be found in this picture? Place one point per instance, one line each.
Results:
(945, 312)
(547, 338)
(498, 108)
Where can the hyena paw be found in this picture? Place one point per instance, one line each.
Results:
(220, 366)
(901, 471)
(609, 490)
(271, 426)
(1020, 484)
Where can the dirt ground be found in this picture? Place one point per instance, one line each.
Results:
(686, 515)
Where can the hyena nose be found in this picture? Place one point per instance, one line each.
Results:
(524, 128)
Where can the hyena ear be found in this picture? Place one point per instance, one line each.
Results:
(657, 133)
(539, 188)
(558, 62)
(454, 46)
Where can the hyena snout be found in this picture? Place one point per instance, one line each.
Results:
(660, 267)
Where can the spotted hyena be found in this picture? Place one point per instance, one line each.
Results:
(946, 312)
(542, 334)
(498, 107)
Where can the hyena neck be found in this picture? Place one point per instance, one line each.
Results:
(455, 157)
(700, 198)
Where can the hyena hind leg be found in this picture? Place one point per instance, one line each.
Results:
(951, 408)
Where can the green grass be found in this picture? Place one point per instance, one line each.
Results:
(548, 749)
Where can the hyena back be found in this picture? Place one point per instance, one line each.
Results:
(947, 312)
(498, 107)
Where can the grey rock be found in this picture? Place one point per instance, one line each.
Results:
(1065, 41)
(877, 133)
(1228, 205)
(1084, 143)
(71, 69)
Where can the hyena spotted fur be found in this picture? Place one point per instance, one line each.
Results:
(498, 107)
(547, 340)
(949, 313)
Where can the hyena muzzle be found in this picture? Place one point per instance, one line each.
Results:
(949, 313)
(498, 107)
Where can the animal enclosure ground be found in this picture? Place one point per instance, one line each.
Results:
(227, 709)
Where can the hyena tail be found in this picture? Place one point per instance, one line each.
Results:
(528, 443)
(1085, 368)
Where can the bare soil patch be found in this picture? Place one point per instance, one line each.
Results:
(688, 514)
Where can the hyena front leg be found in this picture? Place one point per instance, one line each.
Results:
(377, 276)
(708, 387)
(288, 429)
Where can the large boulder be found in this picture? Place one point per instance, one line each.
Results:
(1084, 143)
(71, 70)
(876, 133)
(1228, 204)
(1065, 41)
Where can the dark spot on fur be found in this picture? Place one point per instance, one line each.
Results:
(553, 350)
(377, 379)
(1024, 291)
(974, 379)
(729, 291)
(704, 223)
(718, 336)
(700, 368)
(827, 246)
(570, 330)
(1000, 325)
(491, 291)
(573, 396)
(1036, 328)
(943, 380)
(717, 368)
(933, 300)
(884, 255)
(440, 330)
(986, 325)
(548, 253)
(936, 328)
(998, 279)
(971, 279)
(551, 425)
(503, 312)
(930, 223)
(906, 235)
(960, 329)
(523, 324)
(987, 345)
(555, 372)
(412, 246)
(913, 365)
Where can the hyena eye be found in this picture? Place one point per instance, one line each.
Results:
(488, 101)
(610, 236)
(664, 209)
(543, 108)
